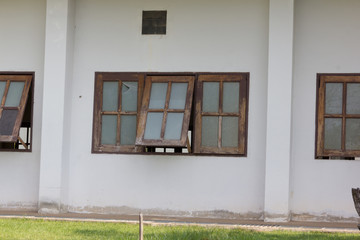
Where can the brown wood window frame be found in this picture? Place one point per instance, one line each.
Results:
(241, 148)
(140, 140)
(321, 152)
(195, 112)
(14, 137)
(100, 78)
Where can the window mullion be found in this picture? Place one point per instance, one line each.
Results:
(343, 133)
(163, 125)
(221, 93)
(118, 127)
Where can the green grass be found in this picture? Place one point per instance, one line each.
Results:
(13, 229)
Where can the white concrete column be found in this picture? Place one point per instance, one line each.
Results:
(56, 69)
(278, 137)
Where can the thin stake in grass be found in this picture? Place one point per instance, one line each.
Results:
(141, 227)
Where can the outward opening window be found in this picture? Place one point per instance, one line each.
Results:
(157, 115)
(116, 107)
(165, 113)
(338, 116)
(15, 111)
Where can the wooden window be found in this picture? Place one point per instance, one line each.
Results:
(165, 111)
(15, 111)
(221, 114)
(159, 113)
(338, 116)
(116, 105)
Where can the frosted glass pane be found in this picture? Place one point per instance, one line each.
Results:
(209, 131)
(158, 95)
(353, 98)
(178, 95)
(333, 128)
(352, 139)
(153, 125)
(129, 96)
(173, 126)
(333, 98)
(128, 129)
(229, 132)
(110, 96)
(14, 95)
(231, 97)
(108, 129)
(210, 97)
(2, 89)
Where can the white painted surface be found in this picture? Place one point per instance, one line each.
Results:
(278, 134)
(327, 34)
(108, 38)
(22, 26)
(54, 147)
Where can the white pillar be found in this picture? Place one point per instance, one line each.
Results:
(57, 50)
(278, 137)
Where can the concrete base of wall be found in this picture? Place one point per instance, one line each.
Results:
(307, 217)
(270, 217)
(124, 210)
(19, 206)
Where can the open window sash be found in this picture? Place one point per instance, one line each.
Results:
(14, 90)
(165, 111)
(116, 106)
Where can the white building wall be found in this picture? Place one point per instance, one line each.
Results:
(202, 35)
(22, 26)
(327, 34)
(209, 36)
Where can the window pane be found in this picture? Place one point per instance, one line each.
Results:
(128, 129)
(14, 95)
(153, 125)
(7, 121)
(110, 96)
(108, 129)
(333, 128)
(158, 95)
(333, 98)
(229, 131)
(352, 140)
(173, 127)
(178, 95)
(129, 96)
(231, 97)
(353, 98)
(209, 131)
(2, 89)
(210, 97)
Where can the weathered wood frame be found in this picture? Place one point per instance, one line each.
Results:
(100, 78)
(241, 149)
(322, 79)
(243, 78)
(8, 78)
(182, 142)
